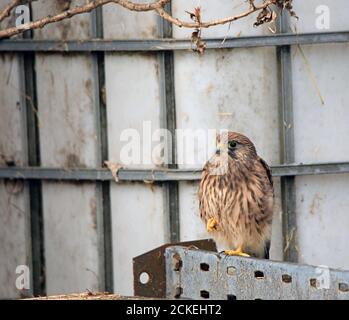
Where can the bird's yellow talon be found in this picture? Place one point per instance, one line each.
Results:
(211, 225)
(237, 252)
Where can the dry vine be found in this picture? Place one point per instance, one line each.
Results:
(267, 14)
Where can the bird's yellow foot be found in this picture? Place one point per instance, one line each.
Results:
(237, 252)
(211, 225)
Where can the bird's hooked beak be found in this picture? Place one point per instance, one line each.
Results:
(221, 148)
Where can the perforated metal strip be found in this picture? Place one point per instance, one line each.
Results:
(197, 274)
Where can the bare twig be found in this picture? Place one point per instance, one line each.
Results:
(266, 14)
(40, 23)
(194, 25)
(114, 169)
(226, 35)
(7, 10)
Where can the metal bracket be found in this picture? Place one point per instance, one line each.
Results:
(153, 266)
(196, 274)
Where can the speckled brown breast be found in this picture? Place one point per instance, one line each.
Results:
(241, 201)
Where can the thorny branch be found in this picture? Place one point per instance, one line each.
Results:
(266, 14)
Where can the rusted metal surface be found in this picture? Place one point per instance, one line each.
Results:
(323, 220)
(153, 264)
(208, 275)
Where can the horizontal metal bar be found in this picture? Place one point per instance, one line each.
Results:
(98, 174)
(170, 44)
(310, 169)
(38, 173)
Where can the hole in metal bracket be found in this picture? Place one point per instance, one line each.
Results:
(144, 278)
(178, 293)
(177, 262)
(286, 278)
(204, 294)
(259, 274)
(344, 287)
(204, 266)
(231, 271)
(231, 297)
(313, 283)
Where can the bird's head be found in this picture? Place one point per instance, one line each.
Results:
(236, 145)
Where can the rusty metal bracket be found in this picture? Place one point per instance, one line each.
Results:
(149, 269)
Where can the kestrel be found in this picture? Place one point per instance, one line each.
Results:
(236, 197)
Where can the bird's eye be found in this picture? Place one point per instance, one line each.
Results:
(232, 144)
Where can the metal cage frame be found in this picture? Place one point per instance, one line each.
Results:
(164, 47)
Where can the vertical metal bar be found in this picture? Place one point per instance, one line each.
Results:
(288, 192)
(35, 186)
(103, 188)
(28, 225)
(168, 121)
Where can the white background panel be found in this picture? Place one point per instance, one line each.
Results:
(66, 111)
(14, 204)
(68, 138)
(310, 18)
(323, 220)
(71, 246)
(191, 226)
(120, 23)
(13, 136)
(214, 10)
(76, 28)
(133, 99)
(138, 223)
(321, 134)
(234, 90)
(138, 215)
(321, 131)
